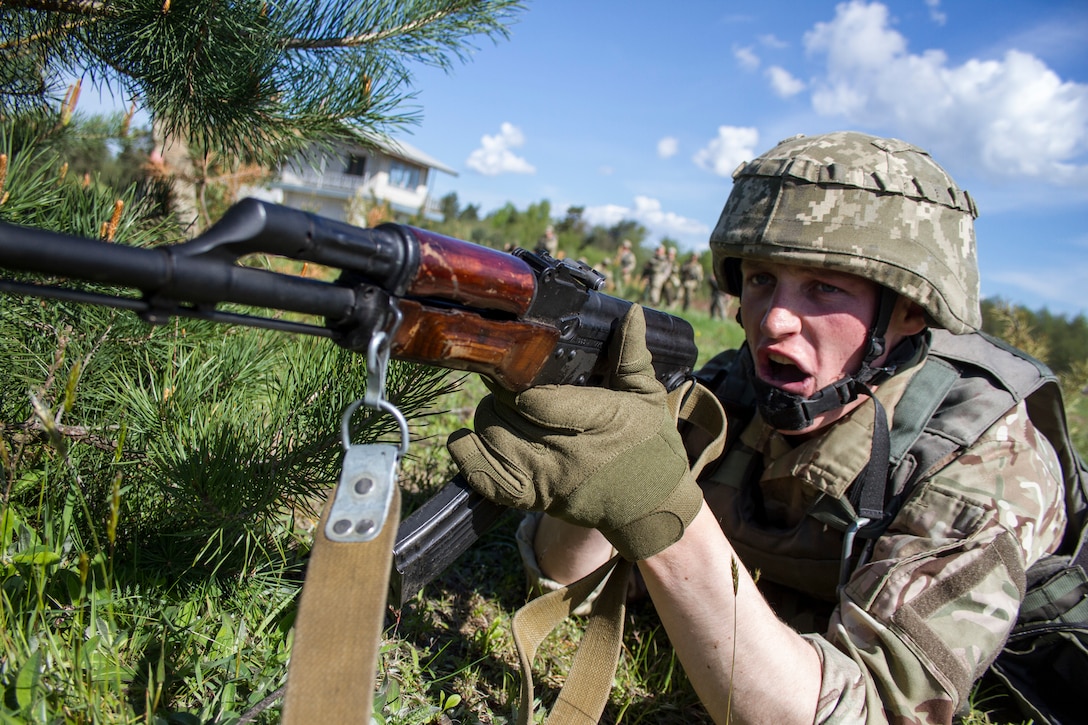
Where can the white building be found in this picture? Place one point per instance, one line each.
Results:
(390, 171)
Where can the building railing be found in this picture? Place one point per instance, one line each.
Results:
(349, 182)
(432, 207)
(332, 179)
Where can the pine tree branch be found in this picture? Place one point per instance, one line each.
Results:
(352, 41)
(252, 82)
(58, 33)
(74, 7)
(33, 430)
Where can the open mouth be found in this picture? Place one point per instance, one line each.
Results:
(781, 372)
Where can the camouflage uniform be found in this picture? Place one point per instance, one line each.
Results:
(656, 272)
(691, 277)
(914, 627)
(670, 291)
(905, 637)
(917, 624)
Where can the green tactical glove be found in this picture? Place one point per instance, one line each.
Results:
(605, 458)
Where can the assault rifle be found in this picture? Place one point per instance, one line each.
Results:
(520, 318)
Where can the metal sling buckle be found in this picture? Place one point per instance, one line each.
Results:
(369, 475)
(848, 549)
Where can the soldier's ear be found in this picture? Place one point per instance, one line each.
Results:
(908, 317)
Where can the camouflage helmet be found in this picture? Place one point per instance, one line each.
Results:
(875, 207)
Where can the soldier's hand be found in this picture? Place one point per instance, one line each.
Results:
(607, 458)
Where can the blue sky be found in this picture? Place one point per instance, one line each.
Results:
(641, 110)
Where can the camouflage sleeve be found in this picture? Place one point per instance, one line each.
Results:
(918, 624)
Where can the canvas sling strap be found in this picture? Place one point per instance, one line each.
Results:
(330, 678)
(338, 629)
(584, 695)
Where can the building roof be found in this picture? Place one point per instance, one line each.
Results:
(408, 152)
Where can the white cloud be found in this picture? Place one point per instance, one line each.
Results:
(495, 156)
(935, 13)
(783, 82)
(650, 214)
(771, 41)
(858, 37)
(667, 147)
(1013, 116)
(723, 154)
(746, 57)
(606, 215)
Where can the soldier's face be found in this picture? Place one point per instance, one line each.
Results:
(808, 327)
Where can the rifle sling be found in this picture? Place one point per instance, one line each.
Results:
(338, 629)
(585, 692)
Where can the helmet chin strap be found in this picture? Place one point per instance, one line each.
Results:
(791, 412)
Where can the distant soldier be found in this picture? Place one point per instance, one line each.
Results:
(691, 276)
(671, 292)
(628, 262)
(549, 242)
(656, 273)
(719, 300)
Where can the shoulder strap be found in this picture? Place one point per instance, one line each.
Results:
(584, 695)
(338, 629)
(967, 383)
(926, 392)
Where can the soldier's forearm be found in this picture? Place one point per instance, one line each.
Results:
(565, 553)
(740, 668)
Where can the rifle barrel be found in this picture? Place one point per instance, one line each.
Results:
(167, 277)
